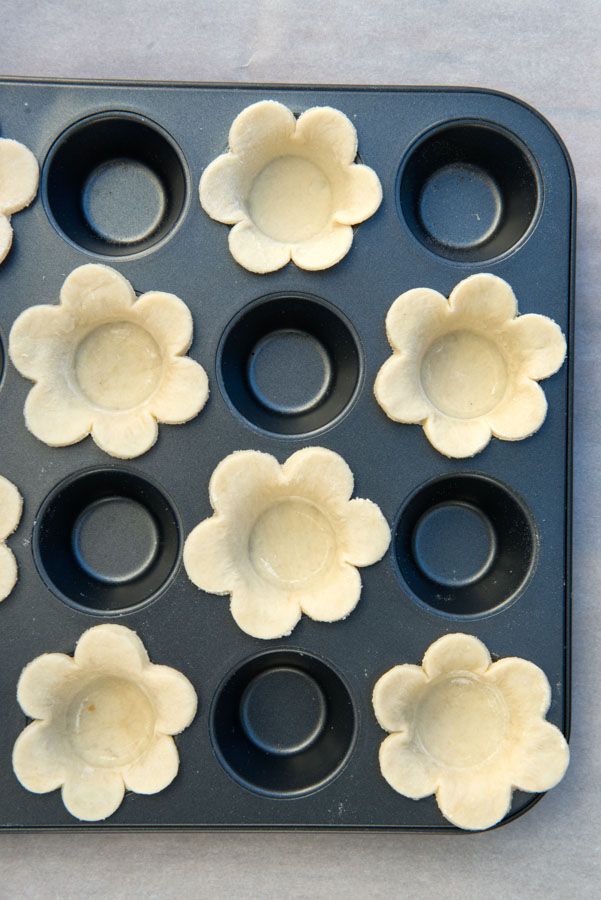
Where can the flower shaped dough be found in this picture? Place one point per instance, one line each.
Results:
(468, 730)
(107, 364)
(19, 176)
(291, 189)
(11, 507)
(467, 368)
(104, 720)
(285, 539)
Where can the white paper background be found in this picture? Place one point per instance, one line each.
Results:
(546, 52)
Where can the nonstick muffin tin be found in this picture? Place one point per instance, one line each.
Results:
(285, 736)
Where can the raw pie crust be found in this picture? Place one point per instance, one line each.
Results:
(19, 176)
(467, 368)
(468, 730)
(285, 539)
(107, 364)
(103, 722)
(291, 189)
(11, 507)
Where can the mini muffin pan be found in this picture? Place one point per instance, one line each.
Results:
(285, 736)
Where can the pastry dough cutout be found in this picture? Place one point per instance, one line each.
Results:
(11, 508)
(19, 177)
(107, 364)
(467, 368)
(285, 539)
(468, 730)
(291, 189)
(104, 721)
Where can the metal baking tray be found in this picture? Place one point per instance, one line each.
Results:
(473, 181)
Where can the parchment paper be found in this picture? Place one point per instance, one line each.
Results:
(546, 52)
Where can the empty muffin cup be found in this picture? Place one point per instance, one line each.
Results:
(283, 723)
(115, 184)
(469, 191)
(290, 364)
(106, 541)
(465, 545)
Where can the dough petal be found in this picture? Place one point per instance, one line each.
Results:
(155, 769)
(255, 250)
(415, 318)
(333, 597)
(365, 533)
(111, 648)
(541, 759)
(319, 473)
(363, 195)
(19, 176)
(125, 436)
(406, 769)
(264, 613)
(474, 801)
(457, 438)
(525, 687)
(6, 237)
(207, 558)
(456, 652)
(8, 571)
(39, 758)
(93, 794)
(484, 299)
(541, 342)
(395, 695)
(240, 478)
(57, 416)
(521, 414)
(36, 340)
(183, 392)
(42, 681)
(173, 697)
(221, 190)
(95, 289)
(330, 132)
(264, 122)
(324, 250)
(399, 392)
(168, 320)
(11, 507)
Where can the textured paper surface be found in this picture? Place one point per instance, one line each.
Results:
(544, 51)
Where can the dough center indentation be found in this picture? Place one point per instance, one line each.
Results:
(292, 543)
(290, 199)
(461, 721)
(118, 365)
(110, 722)
(464, 374)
